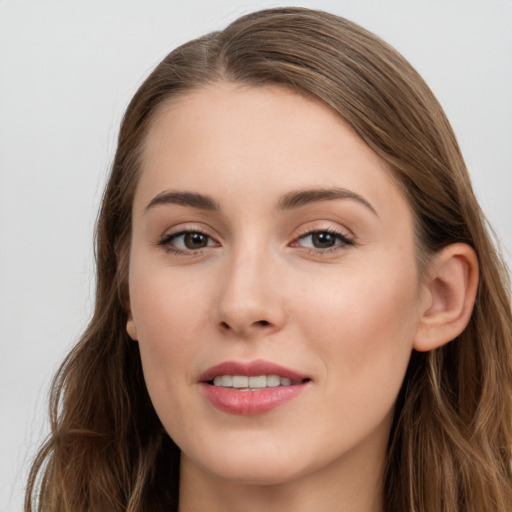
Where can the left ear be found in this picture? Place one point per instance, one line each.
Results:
(451, 288)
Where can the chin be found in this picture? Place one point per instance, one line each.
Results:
(258, 465)
(264, 474)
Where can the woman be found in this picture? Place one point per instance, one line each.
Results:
(298, 305)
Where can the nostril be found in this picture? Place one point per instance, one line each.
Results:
(227, 327)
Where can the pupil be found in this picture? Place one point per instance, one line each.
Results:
(195, 240)
(323, 240)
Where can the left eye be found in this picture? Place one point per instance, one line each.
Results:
(189, 240)
(323, 240)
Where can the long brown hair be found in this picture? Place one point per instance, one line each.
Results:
(450, 445)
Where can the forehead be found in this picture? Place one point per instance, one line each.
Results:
(263, 139)
(225, 109)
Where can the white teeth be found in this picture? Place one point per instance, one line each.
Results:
(224, 381)
(244, 383)
(240, 381)
(259, 381)
(273, 381)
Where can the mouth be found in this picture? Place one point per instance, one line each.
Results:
(254, 382)
(251, 388)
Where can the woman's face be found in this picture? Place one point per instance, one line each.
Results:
(270, 248)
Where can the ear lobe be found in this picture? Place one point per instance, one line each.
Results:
(452, 285)
(130, 324)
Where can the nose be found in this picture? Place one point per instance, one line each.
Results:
(249, 303)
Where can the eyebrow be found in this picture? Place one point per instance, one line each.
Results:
(304, 197)
(289, 201)
(191, 199)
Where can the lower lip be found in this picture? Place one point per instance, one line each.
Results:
(250, 403)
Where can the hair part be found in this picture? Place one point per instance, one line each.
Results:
(450, 445)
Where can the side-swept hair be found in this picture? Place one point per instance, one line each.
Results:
(450, 444)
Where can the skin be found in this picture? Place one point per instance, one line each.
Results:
(347, 316)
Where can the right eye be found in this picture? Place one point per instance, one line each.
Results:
(187, 241)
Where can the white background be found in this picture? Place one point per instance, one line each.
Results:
(68, 69)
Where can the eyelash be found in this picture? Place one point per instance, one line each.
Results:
(166, 242)
(342, 241)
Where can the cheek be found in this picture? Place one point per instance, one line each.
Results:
(168, 315)
(364, 328)
(167, 305)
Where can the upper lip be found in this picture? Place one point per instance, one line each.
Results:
(251, 369)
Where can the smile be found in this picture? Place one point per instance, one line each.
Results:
(251, 388)
(246, 383)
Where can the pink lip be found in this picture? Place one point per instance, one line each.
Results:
(251, 369)
(250, 402)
